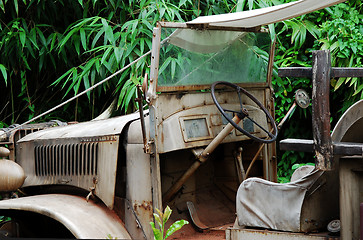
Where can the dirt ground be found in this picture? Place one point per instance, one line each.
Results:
(188, 232)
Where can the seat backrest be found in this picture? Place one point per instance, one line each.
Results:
(301, 172)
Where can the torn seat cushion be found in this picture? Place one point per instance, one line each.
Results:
(265, 204)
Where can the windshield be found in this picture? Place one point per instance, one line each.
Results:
(197, 57)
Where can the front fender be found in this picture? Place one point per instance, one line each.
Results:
(83, 219)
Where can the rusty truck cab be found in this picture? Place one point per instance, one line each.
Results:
(184, 123)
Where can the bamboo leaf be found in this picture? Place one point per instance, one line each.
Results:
(108, 31)
(41, 37)
(118, 51)
(65, 39)
(87, 67)
(339, 82)
(359, 89)
(16, 6)
(105, 55)
(33, 38)
(83, 38)
(240, 5)
(129, 96)
(2, 5)
(77, 44)
(53, 38)
(4, 73)
(173, 66)
(97, 37)
(22, 37)
(61, 77)
(86, 84)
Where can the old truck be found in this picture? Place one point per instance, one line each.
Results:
(208, 127)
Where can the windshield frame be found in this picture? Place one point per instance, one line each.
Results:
(196, 87)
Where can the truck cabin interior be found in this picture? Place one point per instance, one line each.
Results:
(187, 120)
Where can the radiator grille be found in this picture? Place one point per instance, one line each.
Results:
(68, 159)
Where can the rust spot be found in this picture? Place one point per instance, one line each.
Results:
(135, 207)
(147, 205)
(144, 206)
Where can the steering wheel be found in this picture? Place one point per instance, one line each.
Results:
(243, 113)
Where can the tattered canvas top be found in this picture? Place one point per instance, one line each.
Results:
(264, 16)
(196, 36)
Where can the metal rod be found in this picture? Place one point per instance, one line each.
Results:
(139, 99)
(239, 165)
(253, 160)
(153, 122)
(293, 106)
(201, 159)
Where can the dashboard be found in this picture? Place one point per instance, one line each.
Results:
(195, 125)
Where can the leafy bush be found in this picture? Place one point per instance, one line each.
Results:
(161, 218)
(343, 36)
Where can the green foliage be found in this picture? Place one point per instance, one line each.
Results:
(161, 219)
(343, 36)
(48, 54)
(4, 219)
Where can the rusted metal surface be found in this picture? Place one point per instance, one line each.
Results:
(251, 234)
(153, 122)
(173, 108)
(201, 159)
(154, 67)
(75, 155)
(207, 26)
(132, 221)
(73, 161)
(99, 128)
(270, 66)
(9, 136)
(139, 100)
(83, 219)
(138, 189)
(195, 218)
(202, 87)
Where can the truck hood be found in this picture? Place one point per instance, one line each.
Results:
(95, 128)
